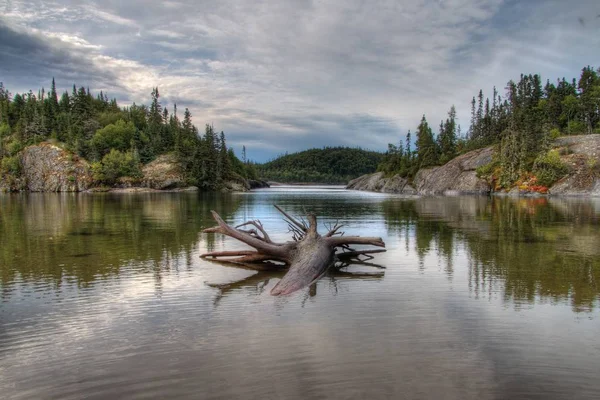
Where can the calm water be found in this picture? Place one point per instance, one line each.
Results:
(105, 296)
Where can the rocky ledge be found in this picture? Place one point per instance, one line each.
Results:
(377, 182)
(459, 176)
(47, 167)
(582, 155)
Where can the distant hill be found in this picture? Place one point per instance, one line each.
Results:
(326, 165)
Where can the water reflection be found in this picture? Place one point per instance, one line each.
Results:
(80, 238)
(262, 281)
(531, 249)
(106, 297)
(536, 248)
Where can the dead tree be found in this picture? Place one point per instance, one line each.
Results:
(306, 257)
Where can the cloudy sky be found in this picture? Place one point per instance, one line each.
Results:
(281, 75)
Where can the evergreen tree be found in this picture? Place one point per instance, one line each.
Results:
(447, 137)
(589, 93)
(224, 158)
(427, 151)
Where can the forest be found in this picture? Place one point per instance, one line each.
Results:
(521, 125)
(326, 165)
(116, 140)
(119, 140)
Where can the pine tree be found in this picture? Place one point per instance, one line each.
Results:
(155, 124)
(589, 89)
(427, 154)
(447, 137)
(472, 135)
(225, 165)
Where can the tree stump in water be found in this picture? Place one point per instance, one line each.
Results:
(307, 256)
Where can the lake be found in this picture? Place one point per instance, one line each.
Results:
(105, 296)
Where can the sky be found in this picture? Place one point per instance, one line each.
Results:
(282, 76)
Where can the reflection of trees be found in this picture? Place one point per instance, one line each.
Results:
(404, 216)
(534, 247)
(79, 237)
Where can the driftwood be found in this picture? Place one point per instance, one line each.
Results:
(306, 257)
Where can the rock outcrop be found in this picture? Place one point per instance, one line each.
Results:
(48, 168)
(458, 176)
(163, 173)
(377, 182)
(257, 184)
(582, 155)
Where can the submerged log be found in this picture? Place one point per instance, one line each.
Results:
(307, 256)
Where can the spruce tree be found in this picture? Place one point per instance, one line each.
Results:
(427, 154)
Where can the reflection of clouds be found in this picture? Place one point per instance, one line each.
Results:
(420, 331)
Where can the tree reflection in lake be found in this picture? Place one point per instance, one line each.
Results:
(105, 296)
(533, 247)
(78, 238)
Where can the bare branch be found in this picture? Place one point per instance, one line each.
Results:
(228, 253)
(281, 252)
(334, 231)
(258, 226)
(347, 240)
(312, 220)
(291, 219)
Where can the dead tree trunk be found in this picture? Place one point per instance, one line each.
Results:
(308, 256)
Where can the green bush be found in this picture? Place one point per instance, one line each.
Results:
(115, 165)
(487, 170)
(4, 130)
(548, 168)
(576, 128)
(555, 133)
(11, 165)
(114, 136)
(14, 147)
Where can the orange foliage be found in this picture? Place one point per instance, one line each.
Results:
(528, 182)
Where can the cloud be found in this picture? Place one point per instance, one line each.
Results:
(314, 73)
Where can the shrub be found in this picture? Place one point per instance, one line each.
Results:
(4, 130)
(548, 168)
(113, 136)
(11, 165)
(115, 165)
(487, 170)
(576, 127)
(14, 147)
(555, 133)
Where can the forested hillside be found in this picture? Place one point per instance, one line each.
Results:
(326, 165)
(521, 125)
(117, 140)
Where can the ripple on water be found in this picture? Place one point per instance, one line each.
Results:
(118, 304)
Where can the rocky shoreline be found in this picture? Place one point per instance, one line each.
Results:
(49, 168)
(459, 176)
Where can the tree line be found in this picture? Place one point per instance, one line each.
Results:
(521, 125)
(326, 165)
(117, 140)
